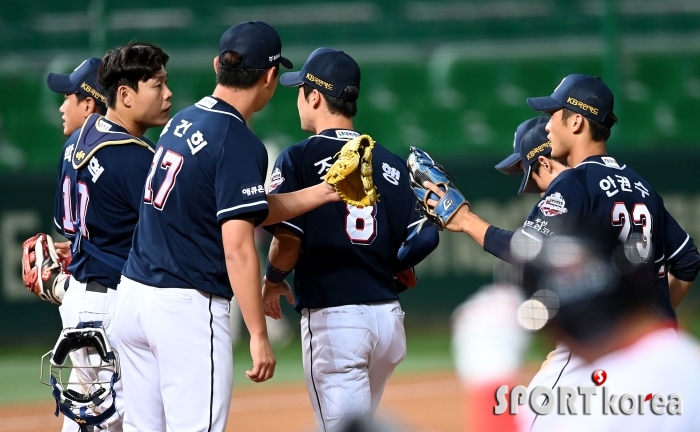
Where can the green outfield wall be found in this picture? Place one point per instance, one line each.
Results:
(449, 76)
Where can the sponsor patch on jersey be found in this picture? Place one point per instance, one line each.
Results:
(344, 133)
(391, 174)
(253, 191)
(553, 205)
(276, 179)
(207, 102)
(611, 162)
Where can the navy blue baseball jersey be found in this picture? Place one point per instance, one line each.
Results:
(100, 183)
(347, 252)
(603, 198)
(208, 168)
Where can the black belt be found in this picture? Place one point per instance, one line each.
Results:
(96, 287)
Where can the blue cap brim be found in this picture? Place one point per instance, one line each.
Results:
(509, 165)
(60, 83)
(543, 104)
(524, 182)
(528, 185)
(291, 79)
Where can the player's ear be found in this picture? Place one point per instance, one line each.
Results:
(315, 99)
(270, 76)
(216, 64)
(89, 106)
(577, 123)
(545, 163)
(124, 95)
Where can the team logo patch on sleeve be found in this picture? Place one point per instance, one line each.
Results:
(553, 205)
(276, 179)
(250, 192)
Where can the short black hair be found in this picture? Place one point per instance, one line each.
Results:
(230, 75)
(337, 105)
(81, 97)
(127, 65)
(599, 131)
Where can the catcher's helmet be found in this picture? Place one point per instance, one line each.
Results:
(88, 408)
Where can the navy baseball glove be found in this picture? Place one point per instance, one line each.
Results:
(421, 168)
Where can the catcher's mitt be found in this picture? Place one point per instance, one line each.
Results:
(351, 174)
(43, 272)
(421, 168)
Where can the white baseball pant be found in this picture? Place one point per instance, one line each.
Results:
(176, 358)
(349, 353)
(81, 305)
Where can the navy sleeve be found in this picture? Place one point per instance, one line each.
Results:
(417, 247)
(58, 201)
(497, 243)
(135, 170)
(686, 267)
(287, 177)
(240, 179)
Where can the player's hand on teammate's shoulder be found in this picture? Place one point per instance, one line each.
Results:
(271, 297)
(264, 361)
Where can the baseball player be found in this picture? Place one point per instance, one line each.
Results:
(587, 199)
(513, 163)
(101, 176)
(600, 198)
(83, 96)
(343, 257)
(194, 247)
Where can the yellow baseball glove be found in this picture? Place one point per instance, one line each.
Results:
(351, 174)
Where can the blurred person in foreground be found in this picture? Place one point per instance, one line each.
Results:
(641, 373)
(637, 371)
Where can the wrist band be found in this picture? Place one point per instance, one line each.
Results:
(275, 275)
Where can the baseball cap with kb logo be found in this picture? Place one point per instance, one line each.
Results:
(585, 94)
(82, 80)
(328, 71)
(534, 144)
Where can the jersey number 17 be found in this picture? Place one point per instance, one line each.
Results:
(171, 163)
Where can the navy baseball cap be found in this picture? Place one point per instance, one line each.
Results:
(534, 144)
(509, 165)
(584, 94)
(258, 44)
(82, 80)
(328, 71)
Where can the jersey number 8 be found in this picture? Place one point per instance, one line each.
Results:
(361, 224)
